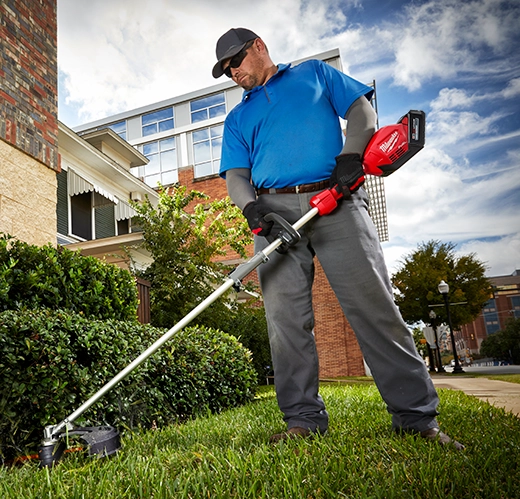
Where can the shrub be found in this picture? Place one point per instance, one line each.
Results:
(53, 361)
(249, 325)
(48, 277)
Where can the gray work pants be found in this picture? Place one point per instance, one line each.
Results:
(347, 247)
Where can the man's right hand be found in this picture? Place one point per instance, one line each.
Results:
(255, 214)
(348, 175)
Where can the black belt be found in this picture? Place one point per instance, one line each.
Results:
(298, 189)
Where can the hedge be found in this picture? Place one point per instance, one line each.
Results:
(53, 361)
(47, 277)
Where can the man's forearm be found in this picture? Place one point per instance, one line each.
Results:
(239, 187)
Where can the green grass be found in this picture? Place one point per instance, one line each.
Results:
(511, 378)
(228, 456)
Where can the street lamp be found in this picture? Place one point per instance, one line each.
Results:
(433, 316)
(444, 290)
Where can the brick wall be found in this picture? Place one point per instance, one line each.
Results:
(28, 75)
(338, 349)
(28, 120)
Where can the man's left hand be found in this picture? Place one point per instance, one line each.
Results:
(348, 175)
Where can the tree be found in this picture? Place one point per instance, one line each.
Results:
(186, 235)
(417, 278)
(504, 344)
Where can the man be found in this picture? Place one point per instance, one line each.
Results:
(282, 144)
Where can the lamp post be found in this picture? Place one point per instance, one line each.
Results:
(433, 316)
(444, 290)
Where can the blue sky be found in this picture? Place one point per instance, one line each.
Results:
(458, 60)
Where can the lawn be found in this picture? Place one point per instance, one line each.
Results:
(228, 456)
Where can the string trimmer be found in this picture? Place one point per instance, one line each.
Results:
(390, 147)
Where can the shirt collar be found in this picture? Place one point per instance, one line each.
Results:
(281, 69)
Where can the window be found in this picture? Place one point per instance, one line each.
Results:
(81, 214)
(158, 121)
(162, 167)
(515, 305)
(491, 317)
(207, 148)
(208, 107)
(123, 227)
(119, 128)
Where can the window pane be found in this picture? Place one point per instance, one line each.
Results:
(169, 160)
(217, 131)
(165, 125)
(217, 111)
(200, 135)
(166, 144)
(203, 170)
(154, 166)
(118, 127)
(202, 152)
(150, 148)
(149, 129)
(216, 148)
(170, 177)
(199, 116)
(212, 100)
(153, 180)
(163, 114)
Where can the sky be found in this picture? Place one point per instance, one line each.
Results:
(457, 60)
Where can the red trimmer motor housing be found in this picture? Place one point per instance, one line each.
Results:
(393, 145)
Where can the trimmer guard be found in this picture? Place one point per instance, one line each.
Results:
(101, 441)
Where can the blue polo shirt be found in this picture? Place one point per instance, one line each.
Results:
(287, 131)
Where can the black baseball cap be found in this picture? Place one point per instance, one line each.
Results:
(230, 44)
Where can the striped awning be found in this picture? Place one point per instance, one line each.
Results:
(76, 184)
(123, 211)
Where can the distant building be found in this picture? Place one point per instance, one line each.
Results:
(503, 305)
(182, 137)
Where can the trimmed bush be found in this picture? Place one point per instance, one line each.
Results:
(53, 361)
(47, 277)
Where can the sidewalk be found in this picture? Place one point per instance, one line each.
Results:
(498, 393)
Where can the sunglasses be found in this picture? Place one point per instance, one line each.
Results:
(237, 59)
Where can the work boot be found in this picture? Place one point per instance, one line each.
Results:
(436, 435)
(291, 433)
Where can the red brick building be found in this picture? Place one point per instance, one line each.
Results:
(502, 306)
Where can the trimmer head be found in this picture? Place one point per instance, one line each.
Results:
(393, 145)
(102, 441)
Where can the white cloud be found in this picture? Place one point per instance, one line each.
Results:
(503, 253)
(513, 89)
(444, 38)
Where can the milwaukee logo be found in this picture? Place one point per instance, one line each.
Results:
(390, 143)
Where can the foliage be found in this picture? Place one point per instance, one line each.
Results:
(422, 270)
(48, 277)
(186, 236)
(54, 360)
(228, 456)
(505, 344)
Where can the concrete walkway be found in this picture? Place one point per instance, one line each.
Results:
(498, 393)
